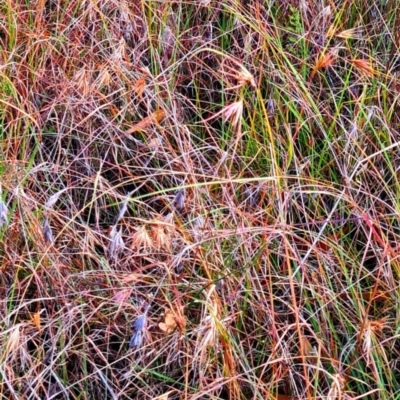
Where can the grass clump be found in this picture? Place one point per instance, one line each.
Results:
(199, 200)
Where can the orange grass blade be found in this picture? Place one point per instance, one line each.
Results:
(153, 118)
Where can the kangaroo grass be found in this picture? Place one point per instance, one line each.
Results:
(199, 200)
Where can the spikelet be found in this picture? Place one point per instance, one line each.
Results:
(3, 213)
(142, 239)
(179, 200)
(116, 242)
(47, 233)
(138, 327)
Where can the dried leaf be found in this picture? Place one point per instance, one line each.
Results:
(169, 323)
(139, 86)
(36, 321)
(271, 107)
(180, 322)
(154, 144)
(199, 222)
(309, 351)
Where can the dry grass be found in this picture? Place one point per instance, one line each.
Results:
(199, 200)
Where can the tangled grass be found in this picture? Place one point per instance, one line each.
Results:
(199, 199)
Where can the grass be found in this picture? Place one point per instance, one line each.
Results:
(200, 200)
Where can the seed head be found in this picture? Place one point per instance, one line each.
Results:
(136, 339)
(179, 200)
(140, 323)
(161, 238)
(47, 233)
(3, 213)
(116, 243)
(139, 326)
(52, 200)
(233, 112)
(142, 239)
(124, 207)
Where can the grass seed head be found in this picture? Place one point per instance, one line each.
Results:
(136, 339)
(122, 210)
(142, 239)
(47, 233)
(179, 200)
(3, 213)
(52, 200)
(139, 326)
(140, 323)
(161, 238)
(245, 77)
(353, 33)
(233, 112)
(116, 241)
